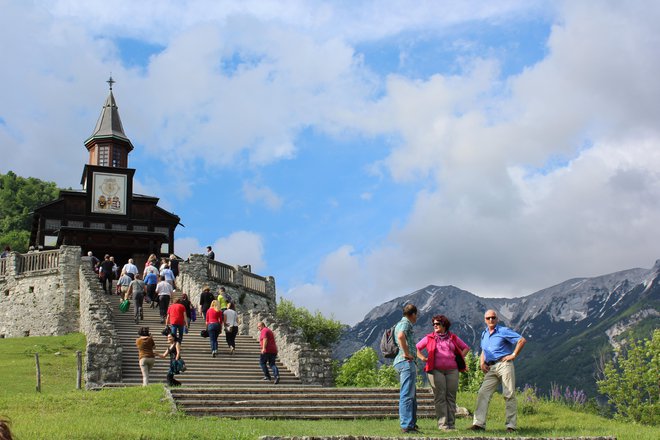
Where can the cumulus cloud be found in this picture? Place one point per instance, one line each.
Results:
(548, 175)
(241, 248)
(238, 248)
(256, 194)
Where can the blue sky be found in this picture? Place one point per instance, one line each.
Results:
(358, 151)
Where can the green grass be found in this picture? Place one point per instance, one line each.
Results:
(62, 412)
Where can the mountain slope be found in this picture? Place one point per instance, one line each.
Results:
(568, 326)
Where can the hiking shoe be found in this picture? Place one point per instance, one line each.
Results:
(413, 430)
(509, 429)
(476, 428)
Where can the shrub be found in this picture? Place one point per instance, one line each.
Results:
(631, 381)
(472, 378)
(316, 329)
(362, 370)
(529, 400)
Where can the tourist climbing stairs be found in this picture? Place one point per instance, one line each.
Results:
(238, 369)
(231, 385)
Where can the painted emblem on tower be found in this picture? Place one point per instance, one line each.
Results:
(109, 193)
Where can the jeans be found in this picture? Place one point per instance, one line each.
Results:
(214, 331)
(177, 329)
(445, 385)
(407, 396)
(269, 358)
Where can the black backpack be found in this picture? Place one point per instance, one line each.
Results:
(388, 344)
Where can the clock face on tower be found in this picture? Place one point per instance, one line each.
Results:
(109, 193)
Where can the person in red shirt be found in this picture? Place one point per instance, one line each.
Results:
(176, 319)
(214, 325)
(268, 352)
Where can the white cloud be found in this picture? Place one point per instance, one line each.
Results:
(256, 194)
(548, 175)
(241, 248)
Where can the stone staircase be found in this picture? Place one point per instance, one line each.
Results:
(230, 385)
(238, 369)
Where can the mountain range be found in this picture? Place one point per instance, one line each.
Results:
(570, 327)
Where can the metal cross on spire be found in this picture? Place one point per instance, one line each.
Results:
(111, 81)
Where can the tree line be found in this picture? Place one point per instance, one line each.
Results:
(19, 196)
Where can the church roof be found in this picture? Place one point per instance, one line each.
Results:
(109, 124)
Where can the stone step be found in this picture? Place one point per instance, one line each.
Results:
(231, 386)
(224, 371)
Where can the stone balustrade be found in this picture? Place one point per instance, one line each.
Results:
(199, 272)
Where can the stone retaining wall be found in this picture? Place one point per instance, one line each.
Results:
(104, 351)
(312, 366)
(42, 302)
(67, 297)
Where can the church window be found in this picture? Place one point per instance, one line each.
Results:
(116, 157)
(104, 155)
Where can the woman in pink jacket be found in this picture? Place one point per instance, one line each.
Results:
(441, 349)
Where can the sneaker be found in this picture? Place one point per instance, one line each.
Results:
(231, 351)
(509, 429)
(265, 378)
(476, 428)
(277, 379)
(213, 353)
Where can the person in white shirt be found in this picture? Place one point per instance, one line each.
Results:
(164, 291)
(130, 269)
(168, 274)
(230, 319)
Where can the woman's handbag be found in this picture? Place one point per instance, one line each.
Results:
(124, 305)
(166, 331)
(460, 363)
(204, 333)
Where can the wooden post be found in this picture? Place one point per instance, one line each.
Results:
(79, 376)
(36, 358)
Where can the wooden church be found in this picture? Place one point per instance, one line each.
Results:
(106, 217)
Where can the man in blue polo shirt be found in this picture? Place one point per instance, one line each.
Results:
(499, 347)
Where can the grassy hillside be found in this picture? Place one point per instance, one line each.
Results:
(61, 412)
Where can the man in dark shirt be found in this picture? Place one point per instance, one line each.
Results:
(106, 273)
(209, 253)
(205, 300)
